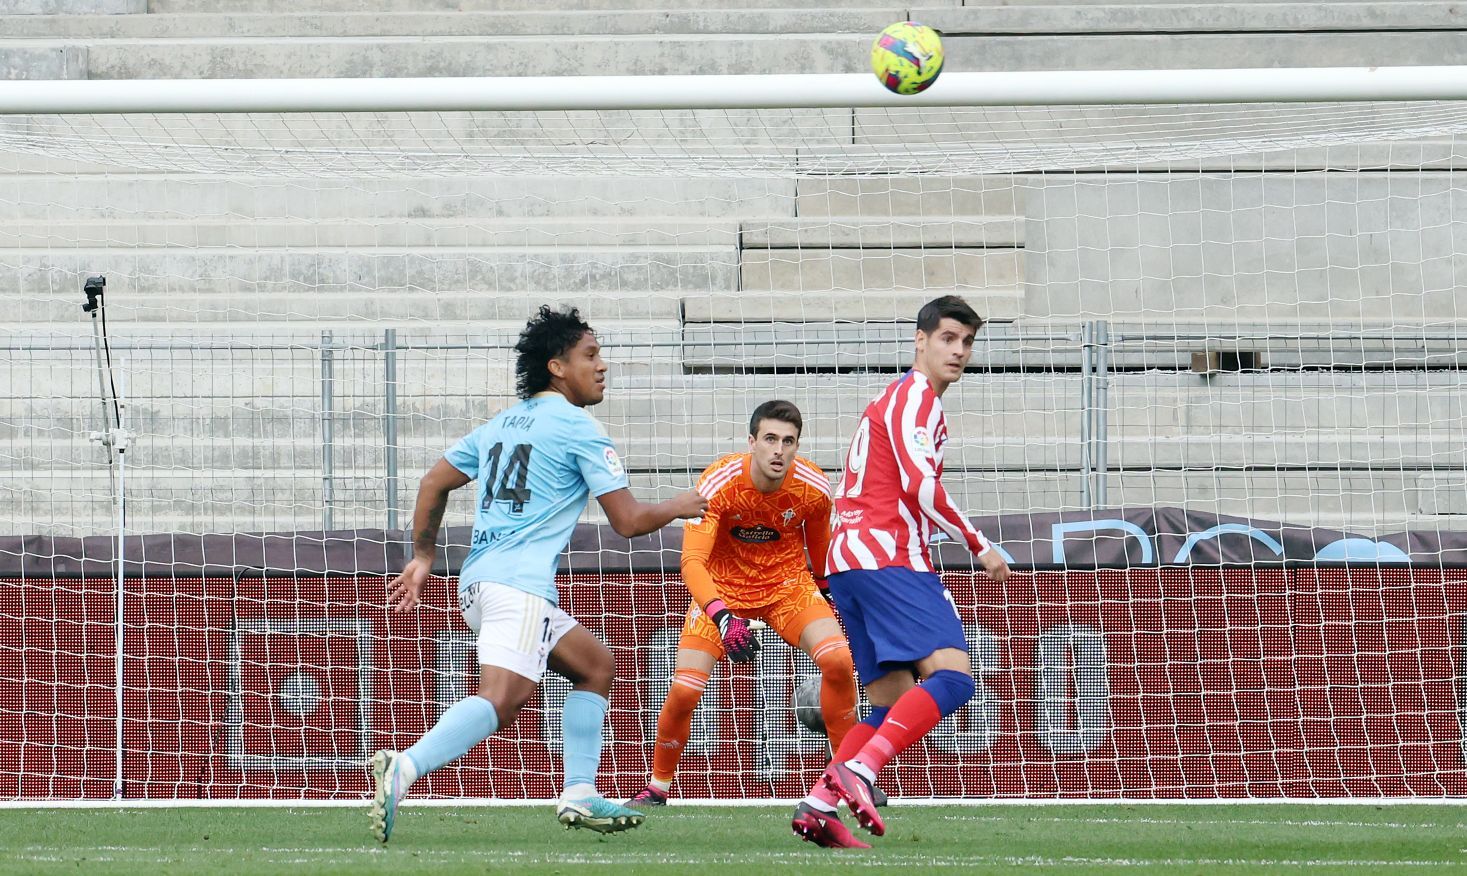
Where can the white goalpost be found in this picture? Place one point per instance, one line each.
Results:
(1216, 419)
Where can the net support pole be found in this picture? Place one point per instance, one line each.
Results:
(1101, 434)
(327, 438)
(389, 422)
(1087, 388)
(120, 442)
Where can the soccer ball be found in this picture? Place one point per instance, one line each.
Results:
(807, 705)
(907, 57)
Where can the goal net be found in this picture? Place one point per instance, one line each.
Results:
(1216, 421)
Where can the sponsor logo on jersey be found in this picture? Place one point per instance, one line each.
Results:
(613, 464)
(849, 517)
(922, 439)
(756, 534)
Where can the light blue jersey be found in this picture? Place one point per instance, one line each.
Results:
(535, 464)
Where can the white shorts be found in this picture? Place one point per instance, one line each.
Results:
(516, 630)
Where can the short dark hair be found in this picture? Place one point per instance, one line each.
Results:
(778, 409)
(947, 307)
(548, 335)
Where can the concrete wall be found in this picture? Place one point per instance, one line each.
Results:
(703, 285)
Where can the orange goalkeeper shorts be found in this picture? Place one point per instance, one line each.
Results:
(792, 607)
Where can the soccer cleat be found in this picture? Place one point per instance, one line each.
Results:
(387, 777)
(824, 829)
(598, 814)
(647, 798)
(878, 796)
(856, 791)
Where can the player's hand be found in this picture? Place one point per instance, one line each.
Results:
(688, 505)
(402, 591)
(824, 587)
(738, 640)
(994, 565)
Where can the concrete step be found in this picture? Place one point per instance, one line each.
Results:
(783, 234)
(68, 501)
(231, 275)
(451, 23)
(175, 302)
(806, 234)
(1000, 421)
(875, 304)
(891, 197)
(410, 232)
(705, 54)
(531, 6)
(1171, 17)
(860, 270)
(149, 197)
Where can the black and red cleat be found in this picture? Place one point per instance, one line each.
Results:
(824, 829)
(856, 791)
(647, 798)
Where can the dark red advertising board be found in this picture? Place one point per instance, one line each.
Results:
(1140, 683)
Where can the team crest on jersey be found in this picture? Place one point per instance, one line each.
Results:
(756, 534)
(787, 516)
(613, 464)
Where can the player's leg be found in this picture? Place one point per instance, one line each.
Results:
(699, 648)
(588, 664)
(513, 642)
(803, 618)
(918, 626)
(815, 819)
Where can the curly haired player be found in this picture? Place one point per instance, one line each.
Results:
(536, 464)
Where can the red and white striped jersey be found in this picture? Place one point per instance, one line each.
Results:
(891, 492)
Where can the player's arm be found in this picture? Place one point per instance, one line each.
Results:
(698, 540)
(631, 518)
(442, 479)
(913, 426)
(817, 542)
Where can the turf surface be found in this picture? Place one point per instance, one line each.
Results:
(1112, 837)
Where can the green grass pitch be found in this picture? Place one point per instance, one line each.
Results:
(1112, 837)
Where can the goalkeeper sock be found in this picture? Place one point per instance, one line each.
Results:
(581, 722)
(837, 688)
(675, 724)
(466, 723)
(915, 713)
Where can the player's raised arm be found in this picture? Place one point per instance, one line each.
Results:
(442, 479)
(631, 518)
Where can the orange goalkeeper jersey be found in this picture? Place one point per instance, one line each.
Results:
(748, 545)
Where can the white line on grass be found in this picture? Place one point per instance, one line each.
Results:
(878, 858)
(1225, 822)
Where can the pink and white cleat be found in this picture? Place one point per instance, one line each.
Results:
(824, 829)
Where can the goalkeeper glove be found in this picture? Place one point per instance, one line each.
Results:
(824, 587)
(738, 639)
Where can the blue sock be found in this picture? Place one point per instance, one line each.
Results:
(466, 723)
(949, 689)
(581, 722)
(878, 714)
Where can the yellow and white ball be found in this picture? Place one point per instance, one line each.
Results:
(907, 57)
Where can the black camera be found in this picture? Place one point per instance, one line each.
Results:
(94, 287)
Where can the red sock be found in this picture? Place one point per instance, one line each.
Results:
(913, 715)
(855, 739)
